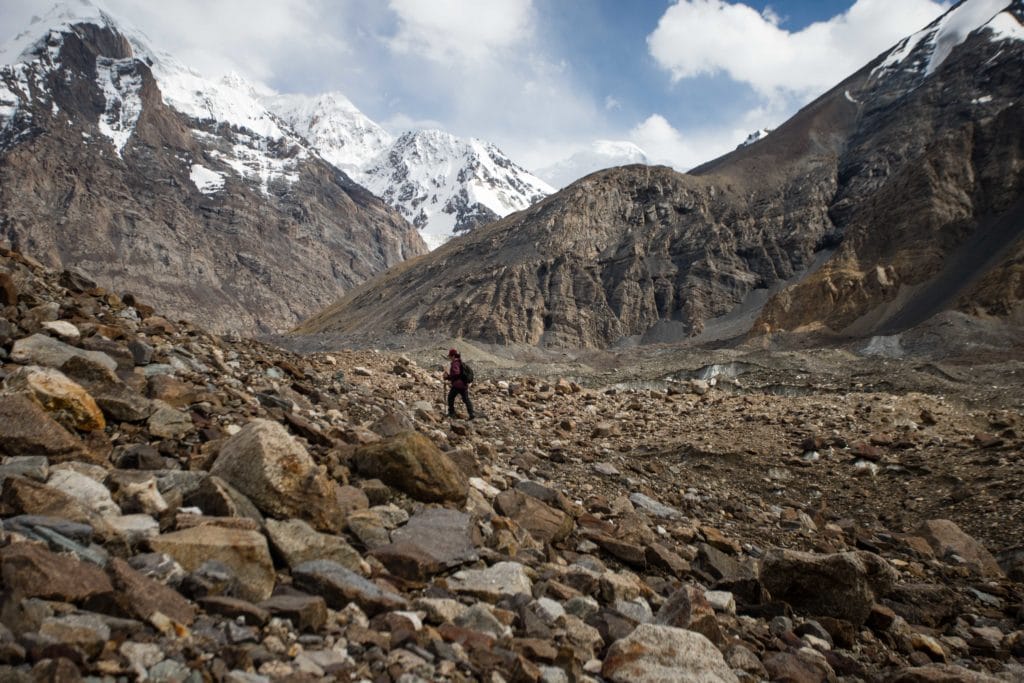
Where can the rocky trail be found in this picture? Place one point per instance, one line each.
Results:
(179, 506)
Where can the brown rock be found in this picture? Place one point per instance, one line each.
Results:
(171, 391)
(306, 612)
(544, 522)
(26, 429)
(245, 552)
(8, 290)
(946, 539)
(31, 571)
(783, 666)
(841, 585)
(412, 463)
(68, 403)
(26, 497)
(232, 608)
(140, 597)
(265, 463)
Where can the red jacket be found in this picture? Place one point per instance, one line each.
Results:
(455, 374)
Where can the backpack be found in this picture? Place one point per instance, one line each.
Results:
(467, 373)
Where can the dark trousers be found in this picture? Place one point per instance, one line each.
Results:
(464, 393)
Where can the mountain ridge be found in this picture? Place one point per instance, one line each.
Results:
(120, 161)
(787, 228)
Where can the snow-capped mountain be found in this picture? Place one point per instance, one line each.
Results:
(601, 154)
(117, 159)
(445, 185)
(333, 125)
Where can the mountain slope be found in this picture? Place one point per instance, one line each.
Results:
(120, 161)
(835, 221)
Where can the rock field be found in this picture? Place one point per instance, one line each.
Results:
(178, 506)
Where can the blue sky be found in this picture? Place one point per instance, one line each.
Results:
(684, 79)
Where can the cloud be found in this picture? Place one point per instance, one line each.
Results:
(708, 37)
(611, 103)
(457, 30)
(664, 144)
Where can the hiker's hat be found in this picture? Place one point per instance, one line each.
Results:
(452, 352)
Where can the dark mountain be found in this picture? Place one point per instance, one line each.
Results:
(894, 196)
(121, 162)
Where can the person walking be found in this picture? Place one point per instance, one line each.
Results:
(459, 385)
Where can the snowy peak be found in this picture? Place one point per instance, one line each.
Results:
(600, 155)
(341, 133)
(445, 185)
(922, 53)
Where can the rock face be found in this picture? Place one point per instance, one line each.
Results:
(157, 178)
(265, 463)
(818, 226)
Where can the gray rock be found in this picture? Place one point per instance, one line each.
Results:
(40, 349)
(504, 579)
(655, 508)
(340, 586)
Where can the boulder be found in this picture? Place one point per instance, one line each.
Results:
(266, 464)
(27, 429)
(168, 422)
(448, 536)
(39, 349)
(946, 539)
(67, 401)
(659, 654)
(140, 597)
(942, 673)
(297, 542)
(89, 493)
(31, 571)
(340, 586)
(504, 579)
(840, 585)
(412, 463)
(244, 552)
(306, 612)
(545, 523)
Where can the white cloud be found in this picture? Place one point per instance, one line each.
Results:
(666, 145)
(446, 30)
(611, 103)
(708, 37)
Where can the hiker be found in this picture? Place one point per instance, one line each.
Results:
(459, 384)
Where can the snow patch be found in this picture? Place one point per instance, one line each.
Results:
(334, 126)
(9, 102)
(982, 100)
(120, 82)
(206, 180)
(257, 165)
(850, 98)
(1004, 26)
(957, 24)
(939, 39)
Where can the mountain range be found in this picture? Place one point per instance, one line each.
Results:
(202, 195)
(891, 198)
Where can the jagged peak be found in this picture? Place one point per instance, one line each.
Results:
(60, 18)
